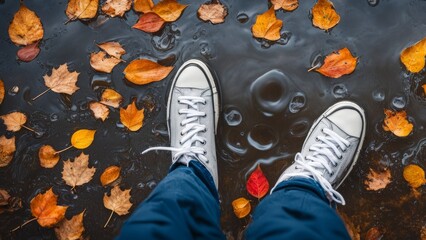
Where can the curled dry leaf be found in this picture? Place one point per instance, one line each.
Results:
(111, 98)
(113, 49)
(338, 64)
(99, 110)
(267, 26)
(144, 71)
(110, 174)
(8, 203)
(115, 8)
(45, 209)
(28, 53)
(132, 117)
(257, 184)
(62, 80)
(118, 202)
(324, 16)
(78, 172)
(414, 175)
(374, 233)
(82, 9)
(102, 63)
(48, 156)
(143, 6)
(7, 149)
(1, 91)
(241, 207)
(82, 138)
(169, 10)
(288, 5)
(14, 121)
(26, 27)
(377, 180)
(213, 12)
(397, 123)
(413, 57)
(150, 23)
(70, 229)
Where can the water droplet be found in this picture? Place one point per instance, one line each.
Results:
(265, 43)
(398, 102)
(100, 81)
(54, 117)
(73, 108)
(297, 102)
(166, 40)
(285, 38)
(340, 91)
(151, 184)
(317, 60)
(13, 90)
(242, 18)
(205, 50)
(235, 142)
(378, 95)
(119, 124)
(373, 3)
(233, 117)
(262, 137)
(299, 128)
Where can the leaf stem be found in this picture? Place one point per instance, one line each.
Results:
(110, 216)
(34, 98)
(30, 129)
(314, 67)
(25, 223)
(63, 150)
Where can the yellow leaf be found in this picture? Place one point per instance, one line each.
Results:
(143, 6)
(397, 123)
(99, 110)
(14, 121)
(288, 5)
(241, 207)
(77, 173)
(102, 63)
(115, 8)
(7, 149)
(131, 117)
(82, 138)
(26, 27)
(267, 26)
(338, 64)
(414, 175)
(82, 9)
(144, 71)
(413, 57)
(70, 229)
(48, 156)
(111, 98)
(169, 10)
(324, 16)
(44, 207)
(213, 12)
(1, 91)
(110, 174)
(113, 49)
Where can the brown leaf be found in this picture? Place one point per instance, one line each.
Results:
(26, 27)
(423, 86)
(213, 12)
(169, 10)
(110, 175)
(338, 64)
(113, 49)
(111, 98)
(115, 8)
(267, 26)
(377, 180)
(1, 91)
(14, 121)
(78, 172)
(397, 123)
(118, 201)
(8, 203)
(288, 5)
(241, 207)
(144, 71)
(373, 233)
(7, 149)
(99, 110)
(48, 156)
(132, 117)
(44, 207)
(28, 53)
(413, 57)
(61, 80)
(150, 23)
(324, 16)
(143, 6)
(4, 197)
(423, 233)
(70, 229)
(414, 175)
(102, 63)
(82, 9)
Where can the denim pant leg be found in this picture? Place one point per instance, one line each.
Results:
(297, 209)
(184, 205)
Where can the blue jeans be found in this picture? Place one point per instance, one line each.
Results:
(185, 205)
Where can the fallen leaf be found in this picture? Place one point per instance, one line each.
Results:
(397, 123)
(14, 121)
(414, 175)
(1, 91)
(267, 26)
(132, 117)
(99, 110)
(257, 184)
(82, 9)
(70, 229)
(61, 80)
(288, 5)
(8, 203)
(150, 23)
(373, 233)
(44, 207)
(48, 156)
(143, 6)
(77, 173)
(115, 8)
(423, 233)
(377, 180)
(338, 64)
(169, 10)
(213, 12)
(26, 27)
(118, 202)
(144, 71)
(324, 16)
(113, 49)
(241, 207)
(7, 149)
(28, 53)
(423, 86)
(413, 57)
(111, 98)
(102, 63)
(350, 226)
(110, 175)
(82, 138)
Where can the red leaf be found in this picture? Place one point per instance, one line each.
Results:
(150, 23)
(28, 53)
(257, 184)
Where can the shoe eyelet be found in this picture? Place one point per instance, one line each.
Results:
(322, 130)
(317, 139)
(204, 152)
(332, 173)
(205, 130)
(178, 101)
(181, 133)
(205, 115)
(204, 142)
(207, 161)
(340, 157)
(180, 142)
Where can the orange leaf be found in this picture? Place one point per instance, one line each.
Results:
(338, 64)
(150, 23)
(14, 121)
(377, 180)
(1, 91)
(44, 207)
(110, 175)
(28, 53)
(113, 49)
(99, 110)
(143, 71)
(115, 8)
(257, 184)
(82, 9)
(169, 10)
(48, 156)
(397, 123)
(413, 57)
(288, 5)
(131, 117)
(414, 175)
(143, 6)
(423, 86)
(324, 16)
(102, 63)
(267, 26)
(241, 207)
(26, 27)
(111, 98)
(70, 229)
(7, 149)
(213, 12)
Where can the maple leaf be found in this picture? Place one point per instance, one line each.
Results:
(397, 123)
(143, 6)
(149, 22)
(338, 64)
(82, 138)
(324, 16)
(99, 110)
(1, 91)
(111, 98)
(132, 117)
(113, 49)
(28, 53)
(110, 174)
(414, 175)
(78, 172)
(241, 207)
(48, 156)
(82, 9)
(413, 57)
(169, 10)
(118, 202)
(14, 121)
(115, 8)
(257, 184)
(7, 149)
(144, 71)
(70, 229)
(8, 203)
(102, 63)
(267, 26)
(26, 27)
(213, 12)
(288, 5)
(45, 209)
(377, 180)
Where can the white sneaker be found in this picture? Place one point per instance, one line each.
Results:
(331, 148)
(192, 117)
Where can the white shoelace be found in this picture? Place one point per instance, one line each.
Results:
(189, 134)
(316, 164)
